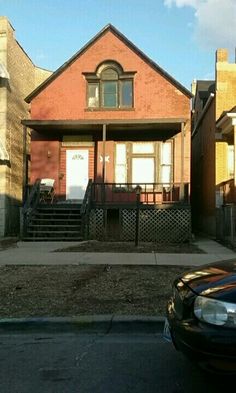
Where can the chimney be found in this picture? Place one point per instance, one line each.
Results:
(221, 55)
(194, 86)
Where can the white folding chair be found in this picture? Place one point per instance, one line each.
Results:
(46, 190)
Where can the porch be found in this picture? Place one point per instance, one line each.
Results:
(138, 171)
(118, 212)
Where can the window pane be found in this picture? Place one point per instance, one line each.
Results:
(93, 95)
(109, 90)
(120, 173)
(126, 93)
(109, 74)
(231, 160)
(166, 156)
(143, 148)
(143, 170)
(165, 174)
(121, 153)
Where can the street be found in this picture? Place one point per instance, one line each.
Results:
(98, 363)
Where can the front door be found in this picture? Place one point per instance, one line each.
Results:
(76, 173)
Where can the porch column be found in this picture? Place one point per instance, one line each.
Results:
(182, 163)
(104, 131)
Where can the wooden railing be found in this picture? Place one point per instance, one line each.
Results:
(227, 192)
(151, 193)
(31, 201)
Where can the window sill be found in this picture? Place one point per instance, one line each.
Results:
(109, 109)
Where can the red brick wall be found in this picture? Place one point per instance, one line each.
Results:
(154, 96)
(45, 159)
(48, 160)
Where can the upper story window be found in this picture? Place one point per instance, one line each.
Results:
(110, 87)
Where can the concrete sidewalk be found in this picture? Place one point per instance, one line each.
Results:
(42, 253)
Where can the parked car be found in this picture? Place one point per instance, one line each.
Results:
(201, 315)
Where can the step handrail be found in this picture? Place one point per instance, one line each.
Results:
(31, 202)
(85, 208)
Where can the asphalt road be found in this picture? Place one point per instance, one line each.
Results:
(98, 363)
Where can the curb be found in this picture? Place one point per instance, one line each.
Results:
(97, 324)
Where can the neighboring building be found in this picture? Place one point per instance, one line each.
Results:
(213, 153)
(112, 115)
(18, 76)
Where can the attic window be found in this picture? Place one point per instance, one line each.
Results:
(110, 87)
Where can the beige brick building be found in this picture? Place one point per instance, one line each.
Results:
(213, 141)
(18, 77)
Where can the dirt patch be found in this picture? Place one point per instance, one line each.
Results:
(78, 290)
(127, 247)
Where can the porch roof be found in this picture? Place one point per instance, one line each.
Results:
(172, 125)
(227, 121)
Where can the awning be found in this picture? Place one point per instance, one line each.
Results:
(3, 72)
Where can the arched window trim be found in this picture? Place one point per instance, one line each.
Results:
(111, 93)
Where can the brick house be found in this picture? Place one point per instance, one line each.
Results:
(112, 115)
(213, 140)
(18, 76)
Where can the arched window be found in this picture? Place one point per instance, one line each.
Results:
(110, 87)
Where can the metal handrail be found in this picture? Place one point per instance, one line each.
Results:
(85, 208)
(31, 202)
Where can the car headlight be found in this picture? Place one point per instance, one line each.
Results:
(215, 312)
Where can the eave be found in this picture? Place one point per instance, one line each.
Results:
(165, 128)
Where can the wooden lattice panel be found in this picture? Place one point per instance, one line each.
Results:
(127, 224)
(96, 224)
(157, 225)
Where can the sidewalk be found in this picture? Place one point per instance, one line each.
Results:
(42, 253)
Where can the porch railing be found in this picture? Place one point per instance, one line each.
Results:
(226, 224)
(226, 192)
(151, 193)
(31, 201)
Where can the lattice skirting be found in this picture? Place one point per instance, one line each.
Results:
(157, 225)
(97, 224)
(161, 225)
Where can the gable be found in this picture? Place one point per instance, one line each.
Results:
(66, 88)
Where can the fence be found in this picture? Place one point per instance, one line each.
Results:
(226, 224)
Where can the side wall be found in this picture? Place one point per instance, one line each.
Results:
(13, 108)
(203, 173)
(225, 83)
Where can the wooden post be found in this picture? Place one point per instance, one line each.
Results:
(104, 129)
(182, 163)
(138, 192)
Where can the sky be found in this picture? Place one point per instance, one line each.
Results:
(181, 36)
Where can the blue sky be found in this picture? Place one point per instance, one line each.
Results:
(179, 35)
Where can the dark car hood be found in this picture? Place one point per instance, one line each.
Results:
(216, 280)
